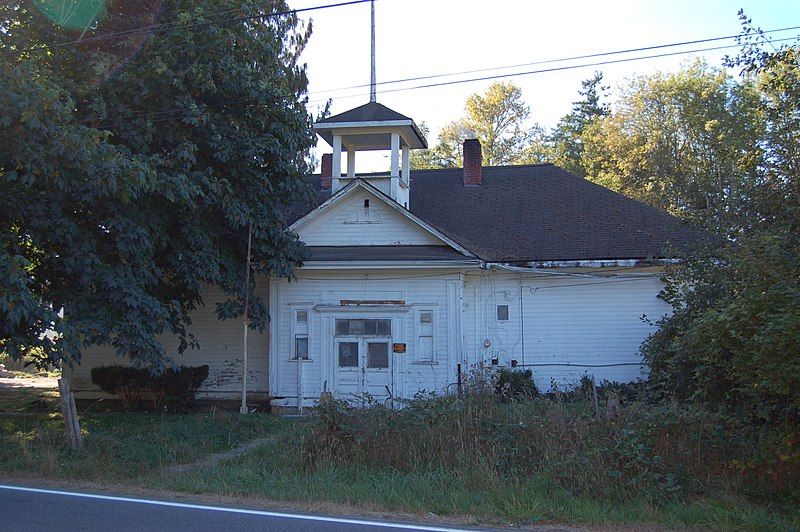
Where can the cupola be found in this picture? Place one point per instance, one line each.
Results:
(370, 127)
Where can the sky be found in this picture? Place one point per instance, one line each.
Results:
(430, 37)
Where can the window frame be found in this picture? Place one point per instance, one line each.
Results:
(300, 330)
(424, 330)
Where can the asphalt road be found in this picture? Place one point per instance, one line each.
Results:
(25, 508)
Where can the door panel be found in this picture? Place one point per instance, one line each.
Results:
(377, 375)
(348, 374)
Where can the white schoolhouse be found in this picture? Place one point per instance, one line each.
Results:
(415, 278)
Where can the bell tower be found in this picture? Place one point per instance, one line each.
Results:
(372, 126)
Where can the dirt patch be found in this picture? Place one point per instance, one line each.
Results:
(33, 381)
(214, 459)
(29, 394)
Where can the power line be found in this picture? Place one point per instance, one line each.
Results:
(559, 60)
(244, 104)
(160, 28)
(554, 69)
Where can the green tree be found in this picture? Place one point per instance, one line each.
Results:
(734, 336)
(497, 118)
(567, 137)
(131, 168)
(681, 142)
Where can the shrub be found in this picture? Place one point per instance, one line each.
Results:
(514, 385)
(132, 385)
(660, 452)
(181, 384)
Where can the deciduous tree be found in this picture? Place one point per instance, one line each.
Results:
(498, 118)
(132, 166)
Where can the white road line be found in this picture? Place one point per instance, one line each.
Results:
(230, 510)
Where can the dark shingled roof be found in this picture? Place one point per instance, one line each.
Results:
(378, 253)
(534, 213)
(369, 112)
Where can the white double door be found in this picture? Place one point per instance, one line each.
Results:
(363, 368)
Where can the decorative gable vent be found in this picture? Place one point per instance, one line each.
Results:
(361, 213)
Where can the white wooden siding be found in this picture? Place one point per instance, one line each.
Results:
(325, 288)
(568, 321)
(220, 348)
(348, 223)
(588, 321)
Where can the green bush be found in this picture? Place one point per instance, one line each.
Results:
(133, 385)
(515, 385)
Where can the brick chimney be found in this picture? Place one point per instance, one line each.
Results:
(473, 162)
(326, 170)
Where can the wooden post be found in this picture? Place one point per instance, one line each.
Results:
(596, 401)
(245, 320)
(72, 428)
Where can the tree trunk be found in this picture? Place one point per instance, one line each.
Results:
(70, 414)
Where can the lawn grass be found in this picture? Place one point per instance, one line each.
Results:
(123, 446)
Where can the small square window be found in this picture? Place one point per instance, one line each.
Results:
(302, 316)
(426, 317)
(502, 312)
(348, 354)
(300, 348)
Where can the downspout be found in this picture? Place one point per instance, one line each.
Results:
(521, 319)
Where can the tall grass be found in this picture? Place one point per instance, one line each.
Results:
(660, 453)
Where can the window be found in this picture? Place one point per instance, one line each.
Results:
(425, 336)
(377, 355)
(300, 333)
(348, 354)
(366, 204)
(369, 327)
(300, 347)
(502, 312)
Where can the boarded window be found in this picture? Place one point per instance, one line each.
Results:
(502, 312)
(425, 348)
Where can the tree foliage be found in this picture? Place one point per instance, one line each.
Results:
(567, 137)
(131, 168)
(734, 337)
(682, 142)
(497, 118)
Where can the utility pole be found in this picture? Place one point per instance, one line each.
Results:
(245, 320)
(372, 82)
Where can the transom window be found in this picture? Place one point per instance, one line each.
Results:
(362, 327)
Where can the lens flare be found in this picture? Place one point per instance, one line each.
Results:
(77, 15)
